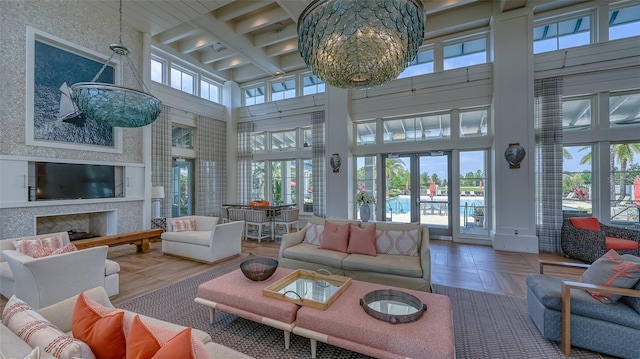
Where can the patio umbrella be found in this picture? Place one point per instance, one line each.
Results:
(636, 191)
(432, 188)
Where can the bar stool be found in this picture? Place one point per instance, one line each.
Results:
(286, 218)
(260, 220)
(237, 214)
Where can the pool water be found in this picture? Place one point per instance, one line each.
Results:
(401, 205)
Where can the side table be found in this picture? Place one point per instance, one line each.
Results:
(159, 222)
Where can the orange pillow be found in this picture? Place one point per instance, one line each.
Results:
(586, 223)
(334, 238)
(102, 328)
(362, 240)
(621, 244)
(148, 341)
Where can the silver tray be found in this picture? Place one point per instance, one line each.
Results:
(393, 306)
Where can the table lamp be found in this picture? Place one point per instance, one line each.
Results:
(157, 193)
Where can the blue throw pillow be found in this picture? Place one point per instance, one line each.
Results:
(612, 270)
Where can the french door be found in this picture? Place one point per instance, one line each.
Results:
(417, 190)
(182, 188)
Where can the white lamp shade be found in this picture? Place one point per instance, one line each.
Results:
(157, 192)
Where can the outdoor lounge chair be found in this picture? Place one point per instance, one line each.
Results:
(586, 239)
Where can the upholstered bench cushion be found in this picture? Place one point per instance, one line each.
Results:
(620, 244)
(311, 253)
(192, 237)
(234, 291)
(408, 266)
(548, 291)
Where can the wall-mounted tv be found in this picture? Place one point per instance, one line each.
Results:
(74, 181)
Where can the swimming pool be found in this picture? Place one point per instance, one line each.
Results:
(402, 205)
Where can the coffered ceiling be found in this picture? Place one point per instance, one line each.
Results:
(243, 41)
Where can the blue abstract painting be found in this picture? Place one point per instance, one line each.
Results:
(55, 118)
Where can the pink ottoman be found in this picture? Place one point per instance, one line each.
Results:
(235, 294)
(345, 324)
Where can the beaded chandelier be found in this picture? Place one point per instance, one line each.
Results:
(360, 43)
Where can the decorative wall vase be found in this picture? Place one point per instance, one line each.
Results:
(335, 162)
(365, 212)
(514, 154)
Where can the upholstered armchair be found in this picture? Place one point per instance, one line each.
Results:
(586, 239)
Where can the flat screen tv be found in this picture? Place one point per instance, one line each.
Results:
(74, 181)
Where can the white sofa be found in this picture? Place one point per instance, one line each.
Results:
(60, 315)
(47, 280)
(210, 242)
(413, 272)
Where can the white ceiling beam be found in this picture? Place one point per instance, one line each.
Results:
(468, 17)
(260, 20)
(282, 48)
(231, 62)
(188, 58)
(208, 23)
(273, 37)
(177, 33)
(210, 55)
(239, 8)
(293, 8)
(196, 43)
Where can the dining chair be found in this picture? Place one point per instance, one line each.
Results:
(286, 219)
(257, 225)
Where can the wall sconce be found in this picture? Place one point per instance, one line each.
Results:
(514, 154)
(335, 162)
(157, 193)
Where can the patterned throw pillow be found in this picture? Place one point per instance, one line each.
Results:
(29, 325)
(31, 246)
(180, 225)
(397, 242)
(613, 271)
(40, 251)
(314, 233)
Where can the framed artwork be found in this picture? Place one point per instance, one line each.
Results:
(53, 65)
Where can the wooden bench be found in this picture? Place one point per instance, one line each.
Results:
(141, 239)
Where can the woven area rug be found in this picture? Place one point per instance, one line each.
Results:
(486, 325)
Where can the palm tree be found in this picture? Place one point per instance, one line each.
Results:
(393, 167)
(625, 153)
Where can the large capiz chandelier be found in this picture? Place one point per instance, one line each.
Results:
(114, 105)
(360, 43)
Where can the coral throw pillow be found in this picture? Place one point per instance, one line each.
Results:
(362, 240)
(38, 332)
(40, 251)
(313, 233)
(613, 271)
(180, 225)
(620, 244)
(586, 223)
(334, 238)
(147, 341)
(102, 328)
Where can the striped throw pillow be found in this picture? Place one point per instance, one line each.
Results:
(29, 325)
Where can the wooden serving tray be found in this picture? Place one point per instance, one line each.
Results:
(308, 288)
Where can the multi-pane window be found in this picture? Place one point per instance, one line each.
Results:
(259, 142)
(436, 126)
(283, 140)
(577, 181)
(562, 34)
(624, 22)
(312, 84)
(422, 128)
(306, 137)
(283, 89)
(624, 109)
(283, 180)
(258, 181)
(625, 178)
(182, 136)
(576, 113)
(422, 64)
(366, 176)
(473, 123)
(182, 80)
(209, 90)
(307, 185)
(465, 53)
(366, 133)
(253, 95)
(157, 70)
(473, 201)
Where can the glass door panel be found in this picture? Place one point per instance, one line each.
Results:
(182, 188)
(397, 171)
(434, 203)
(474, 216)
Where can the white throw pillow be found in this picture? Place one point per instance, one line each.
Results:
(36, 331)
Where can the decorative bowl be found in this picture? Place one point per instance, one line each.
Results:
(259, 269)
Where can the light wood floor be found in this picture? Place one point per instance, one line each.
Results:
(458, 265)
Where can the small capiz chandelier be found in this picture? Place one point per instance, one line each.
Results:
(360, 43)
